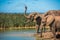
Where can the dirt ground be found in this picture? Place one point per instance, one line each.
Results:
(49, 36)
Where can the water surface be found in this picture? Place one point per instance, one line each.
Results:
(24, 34)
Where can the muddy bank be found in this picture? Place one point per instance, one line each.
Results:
(48, 36)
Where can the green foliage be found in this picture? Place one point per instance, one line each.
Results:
(13, 20)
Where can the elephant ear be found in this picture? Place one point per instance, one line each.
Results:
(35, 16)
(50, 19)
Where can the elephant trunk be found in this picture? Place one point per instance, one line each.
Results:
(25, 12)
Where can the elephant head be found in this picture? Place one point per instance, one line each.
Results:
(32, 16)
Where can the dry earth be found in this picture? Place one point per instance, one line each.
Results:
(47, 36)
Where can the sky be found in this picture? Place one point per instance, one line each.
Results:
(16, 6)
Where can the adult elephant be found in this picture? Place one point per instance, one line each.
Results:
(53, 22)
(35, 17)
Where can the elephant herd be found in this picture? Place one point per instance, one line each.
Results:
(50, 18)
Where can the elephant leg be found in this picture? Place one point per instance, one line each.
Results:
(50, 29)
(41, 29)
(44, 29)
(37, 28)
(41, 32)
(54, 33)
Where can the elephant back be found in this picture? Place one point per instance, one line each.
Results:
(53, 12)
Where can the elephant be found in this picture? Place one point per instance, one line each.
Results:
(53, 22)
(35, 17)
(53, 12)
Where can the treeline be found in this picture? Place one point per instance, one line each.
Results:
(14, 20)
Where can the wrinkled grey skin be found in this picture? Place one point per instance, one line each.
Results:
(35, 17)
(53, 22)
